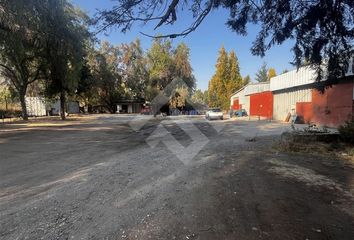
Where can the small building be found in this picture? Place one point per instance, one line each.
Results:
(72, 107)
(132, 105)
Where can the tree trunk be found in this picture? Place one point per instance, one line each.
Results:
(23, 105)
(62, 105)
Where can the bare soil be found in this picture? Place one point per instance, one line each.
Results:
(97, 178)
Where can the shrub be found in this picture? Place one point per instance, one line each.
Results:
(9, 113)
(347, 132)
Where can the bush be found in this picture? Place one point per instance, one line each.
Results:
(347, 132)
(10, 113)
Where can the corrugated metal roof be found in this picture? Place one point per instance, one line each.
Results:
(300, 77)
(253, 88)
(294, 78)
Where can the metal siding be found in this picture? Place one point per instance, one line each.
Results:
(295, 78)
(285, 102)
(256, 88)
(261, 104)
(35, 106)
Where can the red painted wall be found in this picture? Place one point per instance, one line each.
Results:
(332, 108)
(304, 110)
(335, 106)
(236, 105)
(261, 104)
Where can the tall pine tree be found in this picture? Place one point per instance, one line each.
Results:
(262, 74)
(226, 80)
(234, 82)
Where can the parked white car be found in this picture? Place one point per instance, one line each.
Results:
(214, 113)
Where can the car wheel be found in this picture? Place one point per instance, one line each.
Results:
(222, 118)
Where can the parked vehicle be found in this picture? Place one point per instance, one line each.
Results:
(241, 113)
(214, 113)
(145, 111)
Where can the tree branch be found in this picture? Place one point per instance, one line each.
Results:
(171, 11)
(187, 31)
(13, 77)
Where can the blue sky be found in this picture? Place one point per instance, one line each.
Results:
(204, 43)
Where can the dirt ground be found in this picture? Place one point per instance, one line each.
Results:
(102, 177)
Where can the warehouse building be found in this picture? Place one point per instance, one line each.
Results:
(295, 92)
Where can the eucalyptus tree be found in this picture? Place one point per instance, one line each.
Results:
(66, 40)
(160, 66)
(182, 66)
(21, 54)
(105, 67)
(134, 71)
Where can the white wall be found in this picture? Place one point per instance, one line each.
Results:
(35, 106)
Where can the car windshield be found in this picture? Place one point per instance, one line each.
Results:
(216, 110)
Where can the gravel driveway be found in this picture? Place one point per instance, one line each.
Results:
(122, 177)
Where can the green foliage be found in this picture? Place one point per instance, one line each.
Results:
(235, 81)
(135, 74)
(108, 88)
(347, 132)
(262, 74)
(199, 97)
(160, 64)
(42, 40)
(66, 38)
(166, 64)
(21, 61)
(322, 30)
(182, 67)
(246, 80)
(5, 94)
(226, 80)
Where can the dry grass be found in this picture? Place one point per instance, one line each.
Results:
(53, 121)
(10, 107)
(339, 149)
